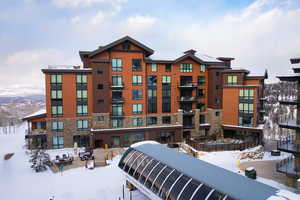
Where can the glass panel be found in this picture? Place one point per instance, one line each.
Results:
(147, 171)
(130, 161)
(189, 190)
(169, 182)
(202, 192)
(160, 179)
(136, 164)
(125, 157)
(141, 166)
(216, 196)
(178, 187)
(125, 160)
(153, 175)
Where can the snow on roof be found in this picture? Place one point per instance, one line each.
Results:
(141, 127)
(40, 112)
(236, 186)
(206, 58)
(284, 195)
(67, 67)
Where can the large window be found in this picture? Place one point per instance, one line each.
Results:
(246, 107)
(166, 99)
(117, 123)
(57, 126)
(56, 78)
(136, 108)
(81, 94)
(56, 94)
(166, 80)
(137, 80)
(137, 94)
(82, 125)
(152, 80)
(151, 120)
(117, 109)
(137, 65)
(152, 100)
(132, 138)
(202, 68)
(56, 111)
(58, 142)
(246, 94)
(231, 80)
(200, 93)
(186, 68)
(168, 67)
(201, 80)
(116, 80)
(82, 109)
(116, 64)
(153, 67)
(81, 78)
(138, 121)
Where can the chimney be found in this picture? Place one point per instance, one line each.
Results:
(226, 60)
(191, 52)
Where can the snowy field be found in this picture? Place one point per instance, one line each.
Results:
(19, 181)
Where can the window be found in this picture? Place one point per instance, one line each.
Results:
(100, 86)
(186, 68)
(82, 109)
(217, 114)
(116, 64)
(58, 142)
(152, 80)
(151, 120)
(168, 67)
(82, 140)
(136, 108)
(201, 119)
(126, 46)
(217, 73)
(117, 95)
(81, 79)
(200, 106)
(117, 109)
(100, 101)
(137, 80)
(129, 139)
(99, 71)
(56, 78)
(202, 68)
(201, 80)
(116, 123)
(82, 125)
(217, 87)
(56, 94)
(137, 65)
(166, 80)
(81, 94)
(200, 93)
(116, 80)
(246, 94)
(57, 126)
(137, 121)
(56, 110)
(153, 67)
(166, 119)
(166, 100)
(152, 98)
(246, 107)
(137, 94)
(232, 80)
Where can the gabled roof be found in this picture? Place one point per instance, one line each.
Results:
(39, 114)
(147, 50)
(200, 58)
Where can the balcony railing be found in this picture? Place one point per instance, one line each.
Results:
(288, 145)
(117, 100)
(290, 124)
(188, 126)
(188, 112)
(117, 114)
(287, 166)
(118, 85)
(187, 99)
(188, 85)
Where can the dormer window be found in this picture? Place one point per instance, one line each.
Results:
(231, 80)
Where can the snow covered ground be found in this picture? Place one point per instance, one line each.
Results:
(19, 181)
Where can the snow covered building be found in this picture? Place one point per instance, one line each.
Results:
(124, 95)
(291, 165)
(163, 173)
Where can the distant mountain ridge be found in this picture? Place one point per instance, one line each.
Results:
(35, 98)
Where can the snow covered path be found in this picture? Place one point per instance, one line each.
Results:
(19, 181)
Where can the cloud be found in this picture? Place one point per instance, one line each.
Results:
(139, 24)
(85, 3)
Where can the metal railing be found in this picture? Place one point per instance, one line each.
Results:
(288, 143)
(221, 147)
(287, 166)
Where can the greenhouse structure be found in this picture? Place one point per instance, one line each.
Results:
(162, 173)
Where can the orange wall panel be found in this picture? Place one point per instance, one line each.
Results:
(230, 106)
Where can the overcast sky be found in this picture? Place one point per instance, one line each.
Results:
(259, 34)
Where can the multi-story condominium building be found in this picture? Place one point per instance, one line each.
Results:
(123, 95)
(291, 165)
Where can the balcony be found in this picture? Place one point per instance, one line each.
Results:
(117, 114)
(188, 126)
(187, 99)
(290, 102)
(291, 124)
(287, 166)
(188, 112)
(117, 86)
(288, 145)
(117, 100)
(188, 85)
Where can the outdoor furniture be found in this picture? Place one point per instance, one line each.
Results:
(65, 160)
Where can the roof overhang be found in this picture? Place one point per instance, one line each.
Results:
(67, 71)
(34, 117)
(242, 128)
(136, 129)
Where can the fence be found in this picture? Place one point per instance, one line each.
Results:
(287, 166)
(220, 147)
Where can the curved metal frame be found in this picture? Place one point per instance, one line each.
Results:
(145, 168)
(158, 174)
(134, 161)
(151, 172)
(128, 159)
(196, 191)
(165, 181)
(140, 164)
(183, 188)
(173, 185)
